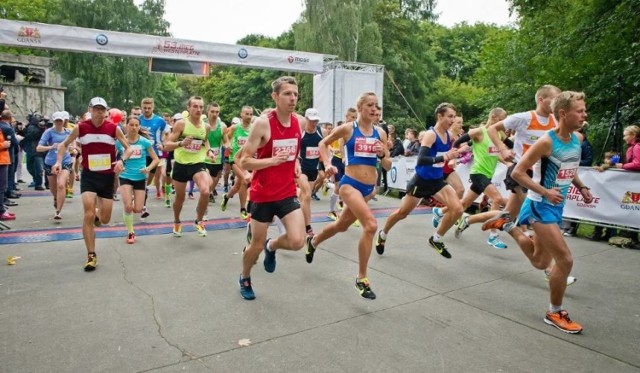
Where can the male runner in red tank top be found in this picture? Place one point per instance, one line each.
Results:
(276, 141)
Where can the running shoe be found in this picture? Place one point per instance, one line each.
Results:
(225, 200)
(191, 195)
(502, 222)
(496, 242)
(167, 203)
(249, 233)
(310, 232)
(463, 224)
(340, 205)
(96, 221)
(212, 199)
(177, 230)
(246, 291)
(310, 250)
(69, 194)
(380, 243)
(158, 194)
(570, 280)
(7, 216)
(363, 287)
(440, 248)
(356, 223)
(332, 215)
(562, 321)
(202, 232)
(244, 215)
(145, 213)
(226, 188)
(437, 216)
(325, 189)
(314, 196)
(92, 262)
(269, 258)
(131, 238)
(57, 216)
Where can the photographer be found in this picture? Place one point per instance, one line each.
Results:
(35, 161)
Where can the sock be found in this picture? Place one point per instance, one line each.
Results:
(383, 235)
(308, 228)
(167, 191)
(248, 205)
(437, 237)
(280, 226)
(330, 185)
(332, 202)
(269, 245)
(493, 233)
(554, 309)
(128, 221)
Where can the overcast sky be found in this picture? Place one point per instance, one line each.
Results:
(222, 22)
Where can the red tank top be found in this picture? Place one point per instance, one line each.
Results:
(98, 146)
(277, 182)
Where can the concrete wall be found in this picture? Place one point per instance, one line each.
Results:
(31, 85)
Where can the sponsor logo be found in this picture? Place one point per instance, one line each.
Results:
(174, 47)
(243, 53)
(394, 174)
(297, 60)
(102, 39)
(630, 201)
(574, 195)
(29, 35)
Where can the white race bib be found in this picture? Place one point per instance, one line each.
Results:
(288, 145)
(364, 147)
(99, 162)
(137, 152)
(242, 141)
(493, 151)
(194, 146)
(313, 152)
(566, 173)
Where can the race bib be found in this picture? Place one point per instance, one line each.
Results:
(493, 151)
(441, 164)
(566, 173)
(137, 152)
(364, 147)
(288, 145)
(194, 146)
(99, 162)
(313, 152)
(242, 140)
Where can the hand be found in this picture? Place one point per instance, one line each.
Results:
(586, 195)
(452, 164)
(506, 154)
(280, 158)
(554, 196)
(55, 168)
(144, 170)
(118, 167)
(187, 141)
(3, 95)
(463, 148)
(6, 144)
(330, 170)
(378, 147)
(618, 165)
(298, 170)
(160, 147)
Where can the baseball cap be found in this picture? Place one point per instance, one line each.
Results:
(177, 116)
(312, 114)
(57, 116)
(235, 120)
(65, 115)
(98, 101)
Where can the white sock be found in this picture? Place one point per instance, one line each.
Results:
(493, 233)
(554, 309)
(332, 202)
(383, 235)
(437, 237)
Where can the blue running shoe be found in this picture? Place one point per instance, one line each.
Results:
(269, 258)
(496, 243)
(437, 216)
(246, 291)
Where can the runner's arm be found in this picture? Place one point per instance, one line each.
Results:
(259, 132)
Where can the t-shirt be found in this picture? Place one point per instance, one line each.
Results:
(137, 161)
(51, 137)
(155, 125)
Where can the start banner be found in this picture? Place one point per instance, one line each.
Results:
(616, 192)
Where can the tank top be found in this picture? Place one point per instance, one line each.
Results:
(240, 136)
(215, 141)
(434, 171)
(277, 182)
(359, 148)
(525, 139)
(98, 146)
(485, 156)
(559, 168)
(309, 150)
(194, 152)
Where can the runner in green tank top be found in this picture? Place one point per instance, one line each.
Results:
(217, 138)
(485, 160)
(239, 133)
(189, 139)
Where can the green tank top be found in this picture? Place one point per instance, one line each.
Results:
(215, 141)
(195, 152)
(240, 136)
(485, 156)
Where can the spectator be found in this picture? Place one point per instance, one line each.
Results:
(414, 145)
(35, 160)
(631, 136)
(7, 139)
(394, 143)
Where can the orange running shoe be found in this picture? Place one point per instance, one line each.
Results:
(501, 221)
(562, 321)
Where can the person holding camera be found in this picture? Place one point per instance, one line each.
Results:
(7, 140)
(35, 160)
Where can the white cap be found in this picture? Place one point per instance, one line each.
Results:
(235, 120)
(312, 114)
(65, 115)
(57, 116)
(98, 101)
(177, 116)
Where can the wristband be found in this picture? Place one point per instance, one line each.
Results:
(584, 187)
(383, 156)
(180, 144)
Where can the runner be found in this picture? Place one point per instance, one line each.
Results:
(239, 133)
(155, 126)
(217, 138)
(555, 158)
(309, 160)
(276, 139)
(428, 181)
(188, 138)
(49, 142)
(97, 138)
(364, 145)
(133, 177)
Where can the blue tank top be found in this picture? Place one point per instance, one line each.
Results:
(360, 148)
(434, 171)
(558, 169)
